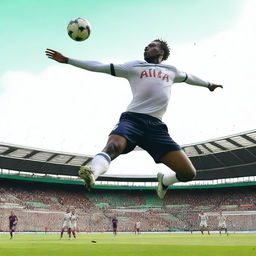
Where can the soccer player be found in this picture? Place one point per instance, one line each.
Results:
(74, 219)
(66, 224)
(222, 223)
(141, 124)
(13, 221)
(137, 227)
(203, 222)
(114, 225)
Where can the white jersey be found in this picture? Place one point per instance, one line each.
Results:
(67, 220)
(150, 83)
(203, 220)
(67, 216)
(74, 219)
(222, 221)
(137, 225)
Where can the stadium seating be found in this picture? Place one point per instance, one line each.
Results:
(38, 207)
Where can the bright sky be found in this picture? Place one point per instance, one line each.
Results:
(53, 106)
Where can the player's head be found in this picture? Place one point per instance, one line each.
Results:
(73, 210)
(68, 210)
(157, 49)
(12, 212)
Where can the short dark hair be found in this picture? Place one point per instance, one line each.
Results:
(165, 47)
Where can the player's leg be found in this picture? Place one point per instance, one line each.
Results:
(122, 139)
(61, 232)
(183, 171)
(73, 230)
(11, 231)
(100, 163)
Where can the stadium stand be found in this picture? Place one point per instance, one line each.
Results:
(43, 204)
(39, 185)
(231, 156)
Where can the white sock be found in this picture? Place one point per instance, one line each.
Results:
(100, 164)
(170, 179)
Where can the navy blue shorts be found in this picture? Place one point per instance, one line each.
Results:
(147, 132)
(12, 226)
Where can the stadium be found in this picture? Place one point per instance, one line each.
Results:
(39, 185)
(47, 106)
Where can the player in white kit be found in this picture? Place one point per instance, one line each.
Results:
(66, 223)
(222, 223)
(74, 219)
(203, 222)
(137, 227)
(141, 124)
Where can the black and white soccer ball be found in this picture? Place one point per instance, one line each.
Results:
(79, 29)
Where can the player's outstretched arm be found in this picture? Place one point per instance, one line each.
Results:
(57, 56)
(212, 87)
(194, 80)
(94, 66)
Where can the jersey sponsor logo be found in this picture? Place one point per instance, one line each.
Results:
(154, 73)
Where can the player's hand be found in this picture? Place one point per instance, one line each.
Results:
(212, 87)
(57, 56)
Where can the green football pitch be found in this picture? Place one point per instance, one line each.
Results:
(125, 244)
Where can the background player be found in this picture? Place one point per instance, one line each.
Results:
(74, 219)
(114, 225)
(203, 222)
(137, 227)
(141, 124)
(222, 223)
(13, 221)
(66, 223)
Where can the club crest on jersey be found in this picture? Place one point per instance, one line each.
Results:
(154, 73)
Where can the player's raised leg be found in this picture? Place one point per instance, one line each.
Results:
(101, 162)
(183, 171)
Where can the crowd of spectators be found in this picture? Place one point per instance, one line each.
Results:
(43, 206)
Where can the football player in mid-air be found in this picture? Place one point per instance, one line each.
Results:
(141, 124)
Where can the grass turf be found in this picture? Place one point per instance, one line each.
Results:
(129, 244)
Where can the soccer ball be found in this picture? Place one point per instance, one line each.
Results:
(79, 29)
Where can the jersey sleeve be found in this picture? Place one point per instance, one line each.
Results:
(90, 65)
(122, 70)
(181, 77)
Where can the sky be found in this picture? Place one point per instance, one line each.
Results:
(53, 106)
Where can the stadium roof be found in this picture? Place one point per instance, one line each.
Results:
(226, 157)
